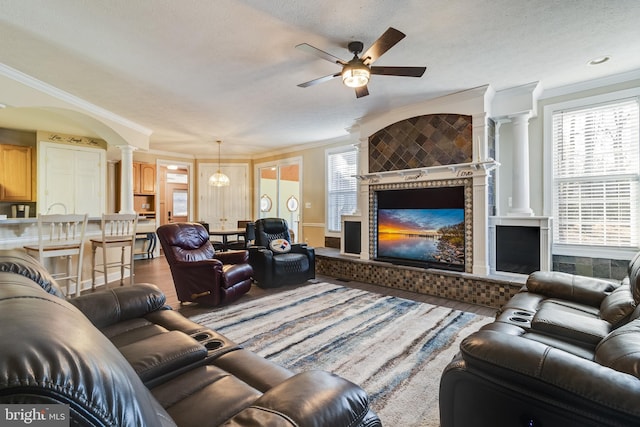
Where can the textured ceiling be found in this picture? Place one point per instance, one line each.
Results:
(193, 71)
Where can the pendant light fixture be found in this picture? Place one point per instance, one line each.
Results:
(219, 179)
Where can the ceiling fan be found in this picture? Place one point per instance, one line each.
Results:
(357, 72)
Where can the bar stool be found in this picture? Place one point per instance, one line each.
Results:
(118, 231)
(61, 236)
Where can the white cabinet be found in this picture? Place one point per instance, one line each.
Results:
(71, 176)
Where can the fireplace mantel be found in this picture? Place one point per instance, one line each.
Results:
(469, 160)
(458, 170)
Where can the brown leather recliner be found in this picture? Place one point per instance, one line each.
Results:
(200, 274)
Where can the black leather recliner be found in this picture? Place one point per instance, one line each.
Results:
(277, 262)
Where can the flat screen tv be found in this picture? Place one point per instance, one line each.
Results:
(421, 227)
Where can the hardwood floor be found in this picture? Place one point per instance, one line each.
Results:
(156, 271)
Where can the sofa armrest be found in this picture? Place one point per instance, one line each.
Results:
(232, 257)
(205, 270)
(571, 287)
(311, 399)
(110, 306)
(261, 259)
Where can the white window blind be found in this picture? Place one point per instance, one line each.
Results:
(342, 187)
(596, 153)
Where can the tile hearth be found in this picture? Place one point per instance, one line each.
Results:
(490, 291)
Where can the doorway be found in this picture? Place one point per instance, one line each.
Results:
(223, 207)
(279, 192)
(175, 201)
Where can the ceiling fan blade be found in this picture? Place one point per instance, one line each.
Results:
(399, 71)
(319, 80)
(385, 42)
(362, 91)
(321, 53)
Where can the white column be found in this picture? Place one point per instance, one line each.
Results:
(111, 186)
(520, 190)
(363, 197)
(480, 224)
(126, 179)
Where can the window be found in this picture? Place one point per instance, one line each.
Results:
(342, 186)
(596, 153)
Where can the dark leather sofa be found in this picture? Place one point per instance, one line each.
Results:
(120, 357)
(564, 351)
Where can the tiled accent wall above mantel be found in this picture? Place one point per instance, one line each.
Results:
(422, 141)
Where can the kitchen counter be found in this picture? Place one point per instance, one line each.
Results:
(17, 232)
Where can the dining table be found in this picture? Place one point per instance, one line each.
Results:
(225, 233)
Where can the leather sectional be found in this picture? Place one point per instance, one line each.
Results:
(564, 351)
(120, 357)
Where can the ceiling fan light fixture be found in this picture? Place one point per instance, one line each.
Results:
(355, 75)
(219, 179)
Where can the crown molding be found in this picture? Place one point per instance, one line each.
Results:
(591, 84)
(346, 139)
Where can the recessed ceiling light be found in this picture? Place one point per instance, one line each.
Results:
(599, 60)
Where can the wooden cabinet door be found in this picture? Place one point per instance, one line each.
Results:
(147, 178)
(136, 178)
(15, 173)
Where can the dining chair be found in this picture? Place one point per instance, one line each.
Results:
(61, 235)
(118, 231)
(241, 240)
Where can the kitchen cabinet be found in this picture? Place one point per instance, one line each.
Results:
(144, 178)
(147, 178)
(144, 188)
(16, 173)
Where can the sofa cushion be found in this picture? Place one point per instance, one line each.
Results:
(620, 350)
(290, 263)
(571, 307)
(617, 306)
(208, 396)
(130, 331)
(634, 277)
(162, 354)
(580, 289)
(569, 325)
(118, 304)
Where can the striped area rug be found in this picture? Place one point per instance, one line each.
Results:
(395, 349)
